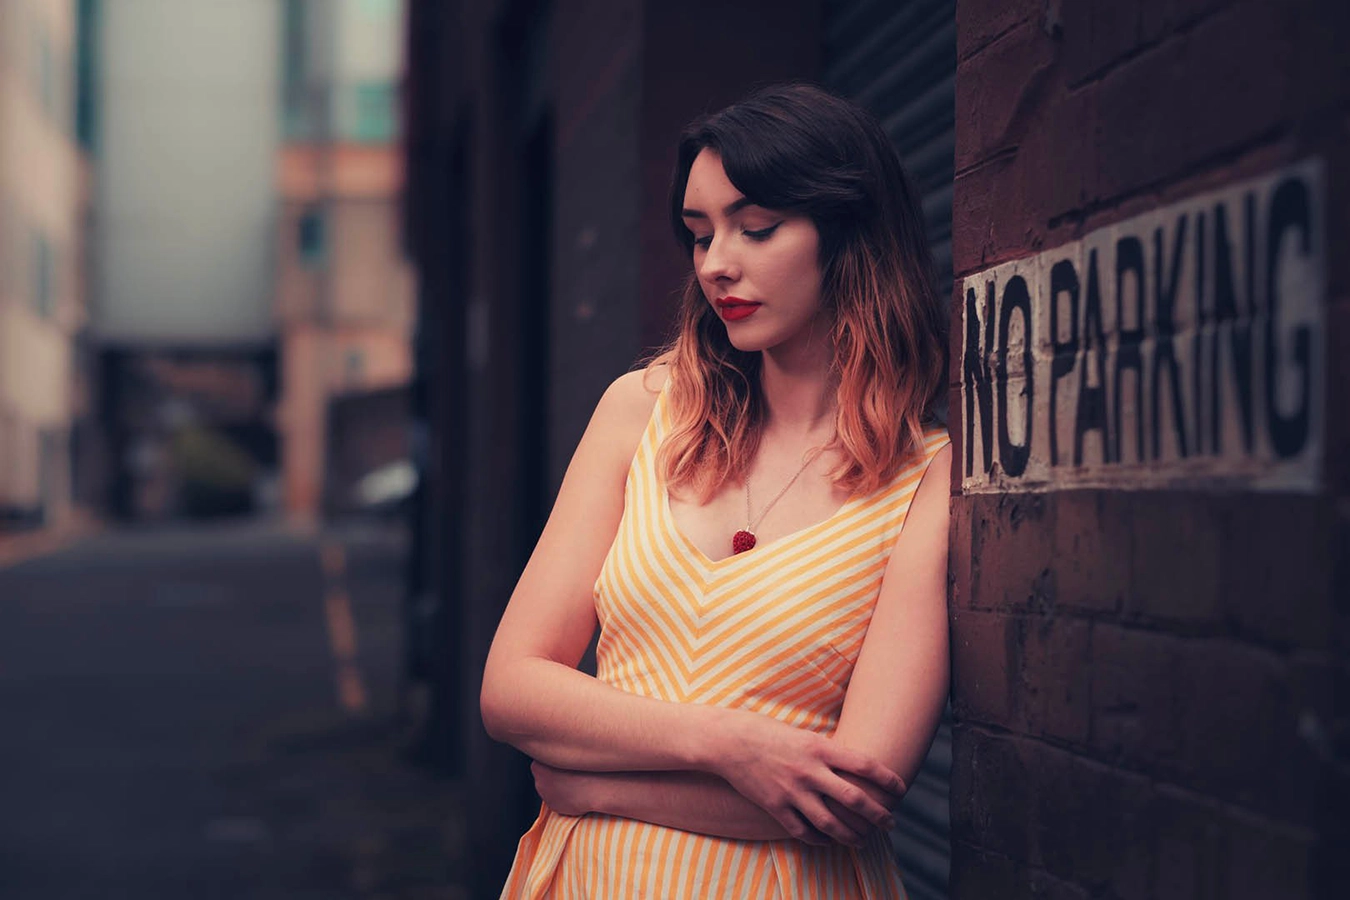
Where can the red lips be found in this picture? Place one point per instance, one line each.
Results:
(734, 309)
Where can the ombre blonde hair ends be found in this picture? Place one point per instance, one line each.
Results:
(801, 149)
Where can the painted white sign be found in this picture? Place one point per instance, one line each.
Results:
(1180, 348)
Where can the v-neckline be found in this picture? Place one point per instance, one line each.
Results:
(753, 552)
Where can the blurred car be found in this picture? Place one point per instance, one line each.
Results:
(387, 490)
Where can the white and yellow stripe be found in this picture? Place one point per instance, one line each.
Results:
(775, 630)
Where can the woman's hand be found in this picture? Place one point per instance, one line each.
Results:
(815, 788)
(565, 791)
(691, 801)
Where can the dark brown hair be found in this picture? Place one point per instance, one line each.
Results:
(800, 149)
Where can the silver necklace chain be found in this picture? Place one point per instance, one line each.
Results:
(751, 523)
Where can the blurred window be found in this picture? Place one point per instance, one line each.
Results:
(49, 466)
(9, 231)
(47, 80)
(86, 75)
(7, 461)
(368, 113)
(294, 86)
(312, 238)
(377, 9)
(354, 366)
(44, 276)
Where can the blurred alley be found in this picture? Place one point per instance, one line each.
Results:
(211, 712)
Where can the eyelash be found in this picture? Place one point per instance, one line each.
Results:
(761, 234)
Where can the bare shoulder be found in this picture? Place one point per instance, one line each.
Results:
(932, 501)
(937, 475)
(628, 402)
(623, 412)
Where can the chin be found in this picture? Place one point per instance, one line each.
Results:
(747, 341)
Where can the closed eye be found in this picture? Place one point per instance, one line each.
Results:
(754, 234)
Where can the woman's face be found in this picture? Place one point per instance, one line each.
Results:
(759, 268)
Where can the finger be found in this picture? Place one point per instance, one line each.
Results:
(864, 766)
(815, 812)
(799, 828)
(854, 821)
(852, 797)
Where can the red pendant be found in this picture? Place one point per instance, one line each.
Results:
(742, 541)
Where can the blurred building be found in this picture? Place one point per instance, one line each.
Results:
(344, 290)
(183, 103)
(43, 184)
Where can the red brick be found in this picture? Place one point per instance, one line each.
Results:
(1196, 96)
(1134, 702)
(1013, 551)
(1276, 568)
(1190, 848)
(1321, 68)
(1340, 642)
(963, 800)
(959, 584)
(1235, 723)
(1337, 212)
(1055, 686)
(992, 792)
(1097, 35)
(1206, 849)
(1301, 735)
(1058, 158)
(985, 200)
(1140, 122)
(955, 313)
(1092, 549)
(1175, 572)
(995, 217)
(1161, 17)
(978, 875)
(986, 652)
(1234, 82)
(1000, 92)
(1267, 861)
(1331, 864)
(1092, 824)
(1336, 450)
(1045, 886)
(979, 22)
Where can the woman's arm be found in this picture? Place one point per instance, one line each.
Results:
(690, 801)
(534, 698)
(899, 684)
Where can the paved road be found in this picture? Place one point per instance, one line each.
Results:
(209, 713)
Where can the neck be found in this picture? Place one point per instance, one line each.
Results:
(799, 390)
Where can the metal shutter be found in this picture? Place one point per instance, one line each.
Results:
(899, 60)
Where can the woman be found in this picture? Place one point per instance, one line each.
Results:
(772, 659)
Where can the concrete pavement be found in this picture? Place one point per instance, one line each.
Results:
(209, 712)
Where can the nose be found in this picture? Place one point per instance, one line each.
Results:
(719, 262)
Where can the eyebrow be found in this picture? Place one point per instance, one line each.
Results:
(730, 208)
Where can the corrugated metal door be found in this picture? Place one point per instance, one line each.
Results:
(899, 60)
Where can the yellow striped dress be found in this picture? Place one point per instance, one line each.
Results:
(776, 630)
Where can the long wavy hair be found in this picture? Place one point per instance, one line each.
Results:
(797, 148)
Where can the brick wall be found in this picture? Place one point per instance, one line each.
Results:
(1149, 685)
